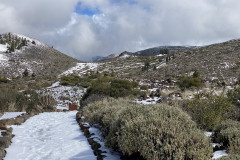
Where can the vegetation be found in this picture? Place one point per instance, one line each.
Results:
(228, 134)
(111, 87)
(189, 82)
(154, 132)
(207, 110)
(231, 157)
(3, 80)
(70, 80)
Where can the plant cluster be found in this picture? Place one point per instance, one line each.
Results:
(228, 134)
(207, 110)
(154, 132)
(112, 87)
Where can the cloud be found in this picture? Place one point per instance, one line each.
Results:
(83, 28)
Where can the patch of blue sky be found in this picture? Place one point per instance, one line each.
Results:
(79, 9)
(131, 2)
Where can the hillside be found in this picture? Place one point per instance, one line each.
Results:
(217, 61)
(18, 52)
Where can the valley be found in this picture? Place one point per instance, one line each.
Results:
(196, 88)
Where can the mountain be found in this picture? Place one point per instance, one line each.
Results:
(146, 52)
(156, 50)
(217, 61)
(19, 52)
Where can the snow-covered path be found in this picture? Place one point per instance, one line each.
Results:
(49, 136)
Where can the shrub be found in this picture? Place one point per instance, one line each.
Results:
(111, 87)
(189, 82)
(207, 110)
(231, 157)
(228, 134)
(3, 80)
(234, 95)
(70, 80)
(144, 87)
(154, 132)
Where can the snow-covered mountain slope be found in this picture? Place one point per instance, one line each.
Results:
(81, 69)
(19, 52)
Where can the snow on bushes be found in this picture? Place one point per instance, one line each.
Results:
(228, 134)
(154, 132)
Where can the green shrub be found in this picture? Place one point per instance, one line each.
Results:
(70, 80)
(154, 131)
(111, 87)
(228, 134)
(189, 82)
(230, 157)
(3, 80)
(144, 87)
(234, 95)
(207, 110)
(85, 84)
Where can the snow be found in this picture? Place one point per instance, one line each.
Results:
(63, 94)
(3, 48)
(8, 115)
(208, 134)
(125, 56)
(110, 154)
(50, 136)
(56, 84)
(81, 68)
(219, 154)
(29, 39)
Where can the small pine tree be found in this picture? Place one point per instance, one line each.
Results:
(196, 74)
(25, 73)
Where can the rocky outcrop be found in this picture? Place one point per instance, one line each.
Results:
(85, 129)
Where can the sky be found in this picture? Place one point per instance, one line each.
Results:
(87, 28)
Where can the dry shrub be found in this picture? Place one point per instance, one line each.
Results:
(228, 134)
(154, 132)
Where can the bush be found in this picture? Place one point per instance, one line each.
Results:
(70, 80)
(234, 95)
(207, 110)
(3, 80)
(189, 82)
(228, 134)
(111, 87)
(231, 157)
(154, 132)
(144, 87)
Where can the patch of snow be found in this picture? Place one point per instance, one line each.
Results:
(3, 48)
(160, 55)
(52, 136)
(56, 84)
(81, 68)
(219, 154)
(110, 154)
(3, 57)
(208, 134)
(125, 56)
(29, 39)
(8, 115)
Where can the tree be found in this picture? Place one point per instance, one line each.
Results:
(25, 73)
(196, 74)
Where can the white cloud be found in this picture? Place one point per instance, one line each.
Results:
(121, 25)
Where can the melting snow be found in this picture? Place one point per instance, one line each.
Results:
(8, 115)
(81, 68)
(54, 136)
(3, 48)
(219, 154)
